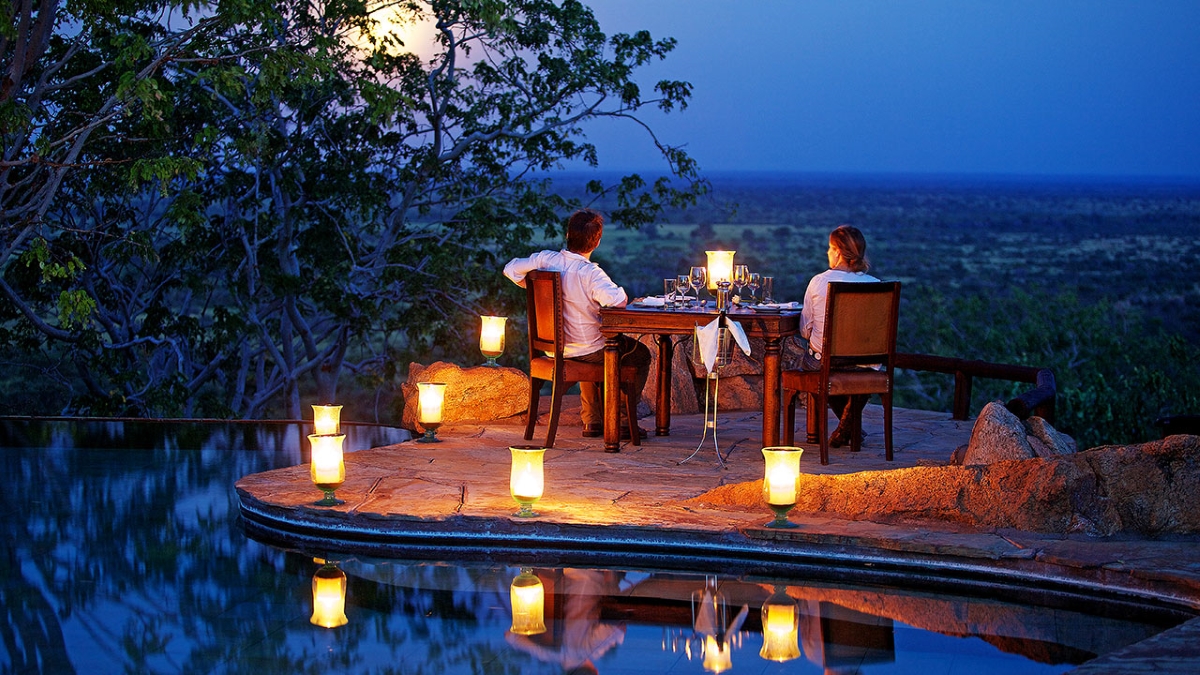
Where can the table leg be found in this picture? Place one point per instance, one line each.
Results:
(772, 377)
(612, 395)
(662, 410)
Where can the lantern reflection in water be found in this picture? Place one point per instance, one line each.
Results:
(528, 597)
(780, 628)
(718, 656)
(329, 597)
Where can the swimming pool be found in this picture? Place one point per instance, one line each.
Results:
(126, 554)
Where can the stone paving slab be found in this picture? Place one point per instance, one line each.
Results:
(643, 499)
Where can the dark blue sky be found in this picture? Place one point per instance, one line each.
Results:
(1027, 87)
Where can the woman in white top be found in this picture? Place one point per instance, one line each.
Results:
(847, 262)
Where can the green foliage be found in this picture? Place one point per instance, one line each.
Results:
(1116, 372)
(260, 207)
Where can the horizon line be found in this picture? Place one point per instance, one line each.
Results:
(1181, 180)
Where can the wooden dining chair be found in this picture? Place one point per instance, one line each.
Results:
(544, 308)
(860, 330)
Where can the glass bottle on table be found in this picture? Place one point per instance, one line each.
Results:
(768, 289)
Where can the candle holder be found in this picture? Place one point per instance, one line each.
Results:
(327, 419)
(430, 398)
(781, 482)
(526, 480)
(491, 338)
(528, 597)
(328, 467)
(720, 268)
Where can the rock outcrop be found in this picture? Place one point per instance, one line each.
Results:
(473, 395)
(1149, 489)
(999, 435)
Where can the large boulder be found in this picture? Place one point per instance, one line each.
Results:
(1148, 490)
(473, 395)
(1047, 441)
(999, 435)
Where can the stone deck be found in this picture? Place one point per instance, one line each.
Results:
(642, 501)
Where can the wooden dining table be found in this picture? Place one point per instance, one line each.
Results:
(664, 323)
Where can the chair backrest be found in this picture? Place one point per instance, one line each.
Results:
(860, 321)
(544, 308)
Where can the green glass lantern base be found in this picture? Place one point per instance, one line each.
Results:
(491, 361)
(781, 521)
(526, 510)
(429, 437)
(329, 499)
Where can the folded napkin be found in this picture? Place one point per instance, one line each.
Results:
(709, 338)
(780, 305)
(652, 301)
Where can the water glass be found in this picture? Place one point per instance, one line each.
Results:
(670, 287)
(768, 289)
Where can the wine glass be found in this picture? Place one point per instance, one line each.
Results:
(697, 279)
(754, 282)
(741, 277)
(682, 283)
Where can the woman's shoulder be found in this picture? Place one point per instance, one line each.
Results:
(841, 275)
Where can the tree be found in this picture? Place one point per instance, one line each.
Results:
(313, 199)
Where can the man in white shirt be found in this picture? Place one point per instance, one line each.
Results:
(586, 288)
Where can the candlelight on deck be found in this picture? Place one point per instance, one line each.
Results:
(327, 419)
(526, 479)
(430, 398)
(781, 482)
(491, 338)
(328, 468)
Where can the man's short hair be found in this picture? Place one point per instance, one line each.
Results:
(584, 228)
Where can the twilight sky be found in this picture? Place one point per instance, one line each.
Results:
(1033, 87)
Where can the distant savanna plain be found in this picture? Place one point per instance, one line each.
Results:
(1098, 280)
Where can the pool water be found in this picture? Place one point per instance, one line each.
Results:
(125, 553)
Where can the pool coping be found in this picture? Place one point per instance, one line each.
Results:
(420, 501)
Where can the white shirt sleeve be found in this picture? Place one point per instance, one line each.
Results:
(517, 268)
